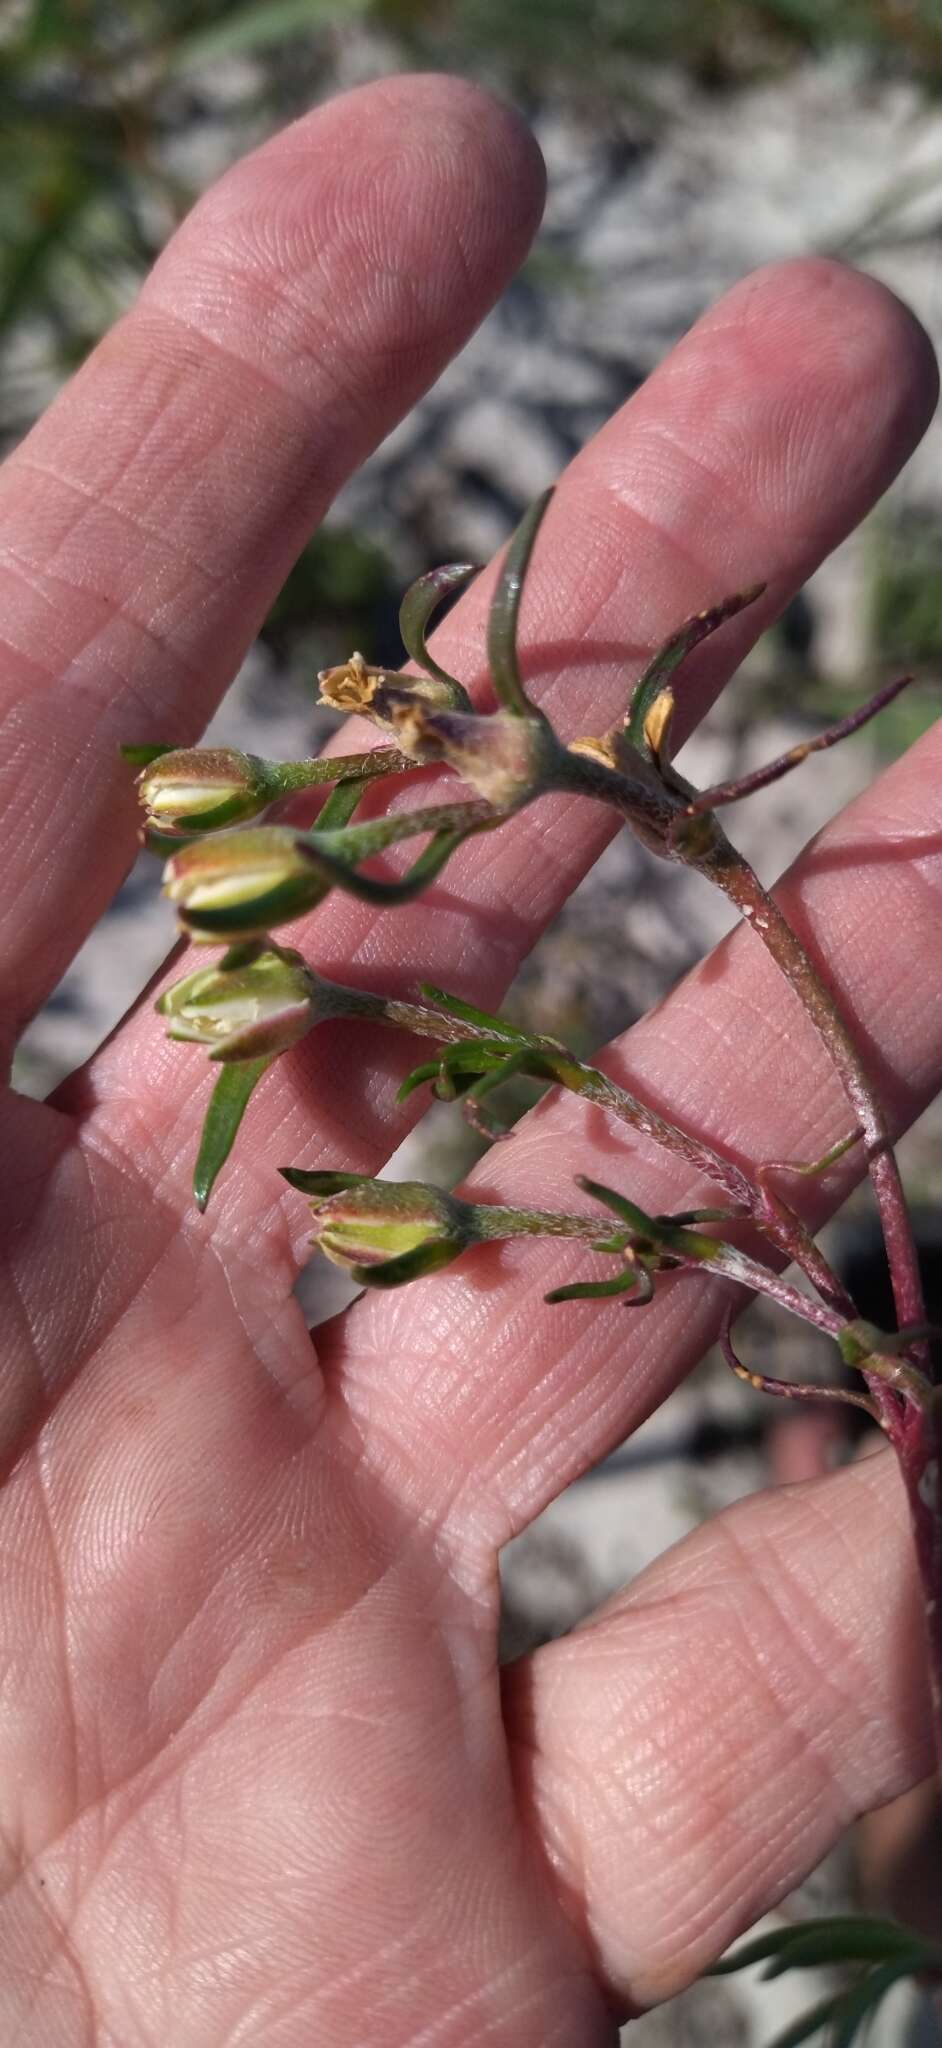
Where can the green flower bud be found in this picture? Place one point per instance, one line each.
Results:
(387, 1232)
(199, 788)
(243, 1013)
(503, 757)
(237, 885)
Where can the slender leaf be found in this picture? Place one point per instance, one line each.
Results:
(841, 1938)
(421, 601)
(504, 612)
(358, 842)
(868, 1942)
(859, 2003)
(455, 1007)
(806, 2025)
(636, 1218)
(625, 1282)
(429, 1071)
(675, 650)
(502, 1070)
(342, 802)
(315, 1182)
(227, 1106)
(423, 871)
(256, 27)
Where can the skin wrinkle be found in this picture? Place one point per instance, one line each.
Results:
(556, 1668)
(258, 377)
(97, 502)
(116, 612)
(195, 1732)
(81, 1990)
(700, 481)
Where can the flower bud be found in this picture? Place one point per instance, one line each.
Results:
(198, 788)
(390, 1231)
(504, 758)
(237, 885)
(242, 1013)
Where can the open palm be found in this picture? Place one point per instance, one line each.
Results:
(260, 1778)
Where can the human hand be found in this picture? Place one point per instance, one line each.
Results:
(261, 1779)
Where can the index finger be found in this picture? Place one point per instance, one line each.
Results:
(148, 520)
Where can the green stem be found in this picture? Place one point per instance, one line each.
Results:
(287, 776)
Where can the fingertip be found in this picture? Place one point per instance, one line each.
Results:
(480, 142)
(851, 343)
(421, 179)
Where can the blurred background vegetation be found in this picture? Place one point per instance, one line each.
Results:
(114, 117)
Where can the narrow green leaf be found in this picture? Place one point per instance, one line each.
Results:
(504, 612)
(867, 1942)
(497, 1072)
(358, 842)
(421, 601)
(256, 27)
(429, 1071)
(675, 650)
(227, 1106)
(636, 1218)
(806, 2025)
(141, 757)
(849, 1938)
(858, 2005)
(422, 872)
(453, 1070)
(475, 1056)
(455, 1007)
(624, 1282)
(342, 802)
(315, 1182)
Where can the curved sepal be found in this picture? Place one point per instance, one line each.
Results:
(646, 725)
(504, 613)
(418, 607)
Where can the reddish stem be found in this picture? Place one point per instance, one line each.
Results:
(732, 874)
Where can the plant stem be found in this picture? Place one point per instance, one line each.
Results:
(377, 761)
(738, 881)
(766, 1211)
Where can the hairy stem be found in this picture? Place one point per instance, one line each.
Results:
(738, 881)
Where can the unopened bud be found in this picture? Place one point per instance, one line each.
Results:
(237, 885)
(199, 788)
(384, 1231)
(502, 757)
(244, 1012)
